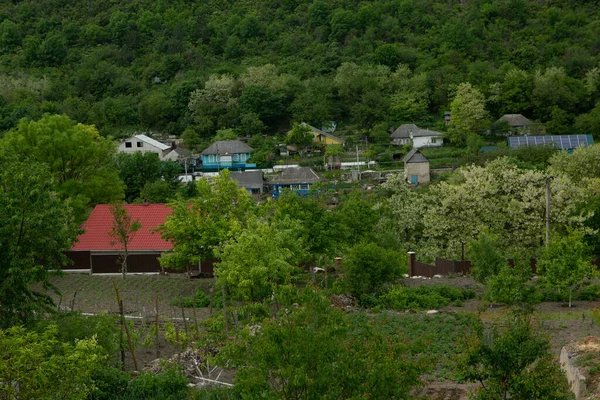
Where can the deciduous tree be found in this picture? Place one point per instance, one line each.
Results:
(122, 231)
(36, 228)
(469, 115)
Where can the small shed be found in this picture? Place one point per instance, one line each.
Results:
(416, 167)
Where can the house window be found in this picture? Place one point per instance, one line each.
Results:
(128, 144)
(433, 140)
(140, 144)
(304, 186)
(236, 157)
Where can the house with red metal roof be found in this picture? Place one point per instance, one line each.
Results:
(97, 252)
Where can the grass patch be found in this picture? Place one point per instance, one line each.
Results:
(437, 338)
(425, 297)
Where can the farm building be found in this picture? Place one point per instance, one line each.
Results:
(416, 167)
(97, 252)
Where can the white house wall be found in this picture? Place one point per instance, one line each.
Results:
(427, 141)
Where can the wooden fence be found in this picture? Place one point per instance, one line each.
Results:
(445, 267)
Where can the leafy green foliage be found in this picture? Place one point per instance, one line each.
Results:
(260, 257)
(75, 155)
(512, 361)
(121, 232)
(37, 365)
(199, 225)
(486, 256)
(565, 262)
(424, 297)
(315, 350)
(199, 299)
(367, 267)
(139, 171)
(36, 228)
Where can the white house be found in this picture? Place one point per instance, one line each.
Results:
(410, 133)
(144, 144)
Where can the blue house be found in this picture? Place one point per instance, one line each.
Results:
(297, 179)
(227, 154)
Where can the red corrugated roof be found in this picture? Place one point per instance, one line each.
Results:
(97, 228)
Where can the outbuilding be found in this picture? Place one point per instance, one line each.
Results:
(416, 167)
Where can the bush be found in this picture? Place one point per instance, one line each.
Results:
(424, 297)
(168, 385)
(369, 267)
(200, 298)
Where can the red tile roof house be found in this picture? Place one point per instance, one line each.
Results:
(96, 251)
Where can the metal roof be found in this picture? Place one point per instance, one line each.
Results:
(153, 142)
(98, 226)
(227, 147)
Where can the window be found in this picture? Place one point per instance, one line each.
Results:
(128, 144)
(140, 144)
(304, 187)
(236, 157)
(433, 140)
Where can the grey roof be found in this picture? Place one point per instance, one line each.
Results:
(322, 132)
(183, 153)
(515, 120)
(296, 175)
(227, 147)
(404, 131)
(414, 156)
(248, 179)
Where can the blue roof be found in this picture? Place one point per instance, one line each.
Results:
(561, 142)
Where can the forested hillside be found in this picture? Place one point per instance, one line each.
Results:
(180, 66)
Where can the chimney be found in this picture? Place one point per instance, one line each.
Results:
(411, 263)
(338, 262)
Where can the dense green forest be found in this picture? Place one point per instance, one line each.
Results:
(191, 68)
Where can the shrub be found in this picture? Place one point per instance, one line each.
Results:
(369, 267)
(200, 298)
(424, 297)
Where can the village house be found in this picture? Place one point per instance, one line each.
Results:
(410, 133)
(324, 138)
(519, 125)
(227, 154)
(416, 167)
(296, 179)
(144, 144)
(252, 181)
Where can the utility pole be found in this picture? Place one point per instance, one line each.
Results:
(547, 211)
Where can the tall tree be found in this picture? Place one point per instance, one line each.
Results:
(565, 262)
(78, 158)
(36, 228)
(512, 362)
(198, 226)
(469, 115)
(259, 257)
